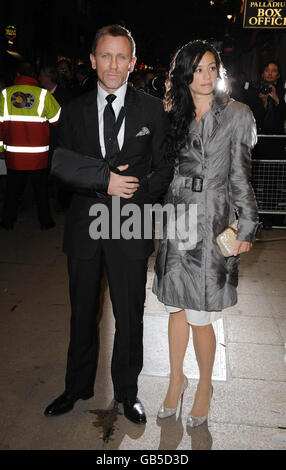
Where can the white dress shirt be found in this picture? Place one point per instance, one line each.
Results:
(117, 105)
(53, 90)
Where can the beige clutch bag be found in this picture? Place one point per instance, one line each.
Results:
(226, 239)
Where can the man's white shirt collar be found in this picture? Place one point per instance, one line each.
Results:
(117, 104)
(53, 90)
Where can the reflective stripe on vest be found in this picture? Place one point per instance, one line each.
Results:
(12, 148)
(6, 114)
(41, 102)
(15, 117)
(56, 117)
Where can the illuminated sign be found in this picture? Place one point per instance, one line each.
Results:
(10, 32)
(266, 15)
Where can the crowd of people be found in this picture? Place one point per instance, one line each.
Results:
(64, 82)
(22, 162)
(75, 79)
(266, 98)
(193, 149)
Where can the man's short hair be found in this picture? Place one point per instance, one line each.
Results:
(114, 30)
(25, 68)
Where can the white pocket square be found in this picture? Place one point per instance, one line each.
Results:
(143, 131)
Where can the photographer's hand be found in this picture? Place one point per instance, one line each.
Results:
(263, 99)
(273, 94)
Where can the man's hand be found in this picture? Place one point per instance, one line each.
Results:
(122, 186)
(241, 247)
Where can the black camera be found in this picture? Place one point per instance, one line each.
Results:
(265, 89)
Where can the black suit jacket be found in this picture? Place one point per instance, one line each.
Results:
(62, 95)
(144, 150)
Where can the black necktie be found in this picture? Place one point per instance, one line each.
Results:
(110, 138)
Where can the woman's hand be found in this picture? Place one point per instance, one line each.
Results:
(241, 247)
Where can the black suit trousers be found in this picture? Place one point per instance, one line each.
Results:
(16, 184)
(127, 284)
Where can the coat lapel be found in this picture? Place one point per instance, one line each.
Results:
(91, 124)
(131, 114)
(219, 104)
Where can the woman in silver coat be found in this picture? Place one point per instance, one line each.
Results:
(212, 136)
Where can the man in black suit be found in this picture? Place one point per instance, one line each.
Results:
(49, 79)
(109, 172)
(85, 80)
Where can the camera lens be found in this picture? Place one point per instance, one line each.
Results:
(265, 90)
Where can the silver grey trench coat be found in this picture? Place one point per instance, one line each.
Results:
(191, 272)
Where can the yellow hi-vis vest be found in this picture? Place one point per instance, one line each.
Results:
(26, 112)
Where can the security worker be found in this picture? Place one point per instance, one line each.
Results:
(26, 112)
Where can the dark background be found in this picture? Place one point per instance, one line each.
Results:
(50, 29)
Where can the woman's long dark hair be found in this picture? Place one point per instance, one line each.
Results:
(178, 100)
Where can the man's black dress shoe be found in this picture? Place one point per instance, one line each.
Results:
(64, 403)
(134, 411)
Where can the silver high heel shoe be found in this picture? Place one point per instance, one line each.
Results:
(193, 421)
(165, 412)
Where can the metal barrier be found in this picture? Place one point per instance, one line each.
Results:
(269, 183)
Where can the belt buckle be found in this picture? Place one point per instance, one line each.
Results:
(197, 184)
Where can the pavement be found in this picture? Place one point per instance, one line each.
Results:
(248, 411)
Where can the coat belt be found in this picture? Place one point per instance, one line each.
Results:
(197, 183)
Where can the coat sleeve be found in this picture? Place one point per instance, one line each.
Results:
(81, 173)
(161, 167)
(244, 138)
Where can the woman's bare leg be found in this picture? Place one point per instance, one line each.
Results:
(205, 347)
(178, 333)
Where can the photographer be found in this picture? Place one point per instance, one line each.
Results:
(266, 100)
(64, 70)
